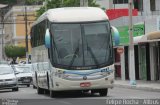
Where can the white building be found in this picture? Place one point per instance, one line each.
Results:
(145, 7)
(147, 53)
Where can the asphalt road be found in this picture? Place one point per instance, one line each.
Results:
(29, 96)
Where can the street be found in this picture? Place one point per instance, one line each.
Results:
(80, 44)
(25, 94)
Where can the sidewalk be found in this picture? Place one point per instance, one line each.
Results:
(141, 85)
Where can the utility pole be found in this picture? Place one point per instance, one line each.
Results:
(62, 3)
(2, 35)
(2, 29)
(131, 47)
(26, 30)
(46, 2)
(2, 13)
(83, 3)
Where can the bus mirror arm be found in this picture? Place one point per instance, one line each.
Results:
(116, 35)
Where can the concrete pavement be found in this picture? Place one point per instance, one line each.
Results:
(140, 84)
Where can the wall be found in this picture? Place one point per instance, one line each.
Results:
(15, 33)
(120, 6)
(116, 13)
(146, 7)
(157, 5)
(21, 31)
(103, 3)
(151, 25)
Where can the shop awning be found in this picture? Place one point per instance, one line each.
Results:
(137, 39)
(150, 37)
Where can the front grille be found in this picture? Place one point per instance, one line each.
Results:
(7, 86)
(8, 79)
(25, 79)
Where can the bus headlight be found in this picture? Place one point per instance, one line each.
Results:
(106, 72)
(61, 74)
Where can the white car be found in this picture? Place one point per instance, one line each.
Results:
(8, 78)
(24, 74)
(4, 62)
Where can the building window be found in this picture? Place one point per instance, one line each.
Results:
(138, 4)
(120, 1)
(153, 5)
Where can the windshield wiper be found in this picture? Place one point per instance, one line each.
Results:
(75, 54)
(93, 56)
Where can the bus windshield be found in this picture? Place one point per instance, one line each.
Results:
(81, 45)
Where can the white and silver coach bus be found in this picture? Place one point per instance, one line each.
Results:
(72, 49)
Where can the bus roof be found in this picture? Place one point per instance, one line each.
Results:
(73, 14)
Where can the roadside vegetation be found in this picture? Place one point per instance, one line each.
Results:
(13, 52)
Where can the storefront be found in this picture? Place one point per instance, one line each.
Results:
(122, 59)
(152, 46)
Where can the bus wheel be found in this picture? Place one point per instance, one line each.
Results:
(15, 89)
(39, 90)
(52, 94)
(103, 92)
(34, 87)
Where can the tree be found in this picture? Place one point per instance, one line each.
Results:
(22, 2)
(14, 52)
(64, 3)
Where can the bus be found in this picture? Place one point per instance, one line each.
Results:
(72, 48)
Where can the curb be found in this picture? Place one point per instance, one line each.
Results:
(138, 87)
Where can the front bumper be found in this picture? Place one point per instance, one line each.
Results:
(103, 83)
(8, 85)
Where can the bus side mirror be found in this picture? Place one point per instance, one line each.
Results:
(47, 39)
(116, 35)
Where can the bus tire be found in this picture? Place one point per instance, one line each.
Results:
(28, 85)
(47, 80)
(34, 87)
(39, 90)
(103, 92)
(36, 79)
(15, 89)
(52, 94)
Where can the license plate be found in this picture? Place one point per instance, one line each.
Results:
(85, 84)
(26, 80)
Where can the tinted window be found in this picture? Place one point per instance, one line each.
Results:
(81, 45)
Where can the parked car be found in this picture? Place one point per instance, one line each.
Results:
(8, 78)
(24, 74)
(4, 62)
